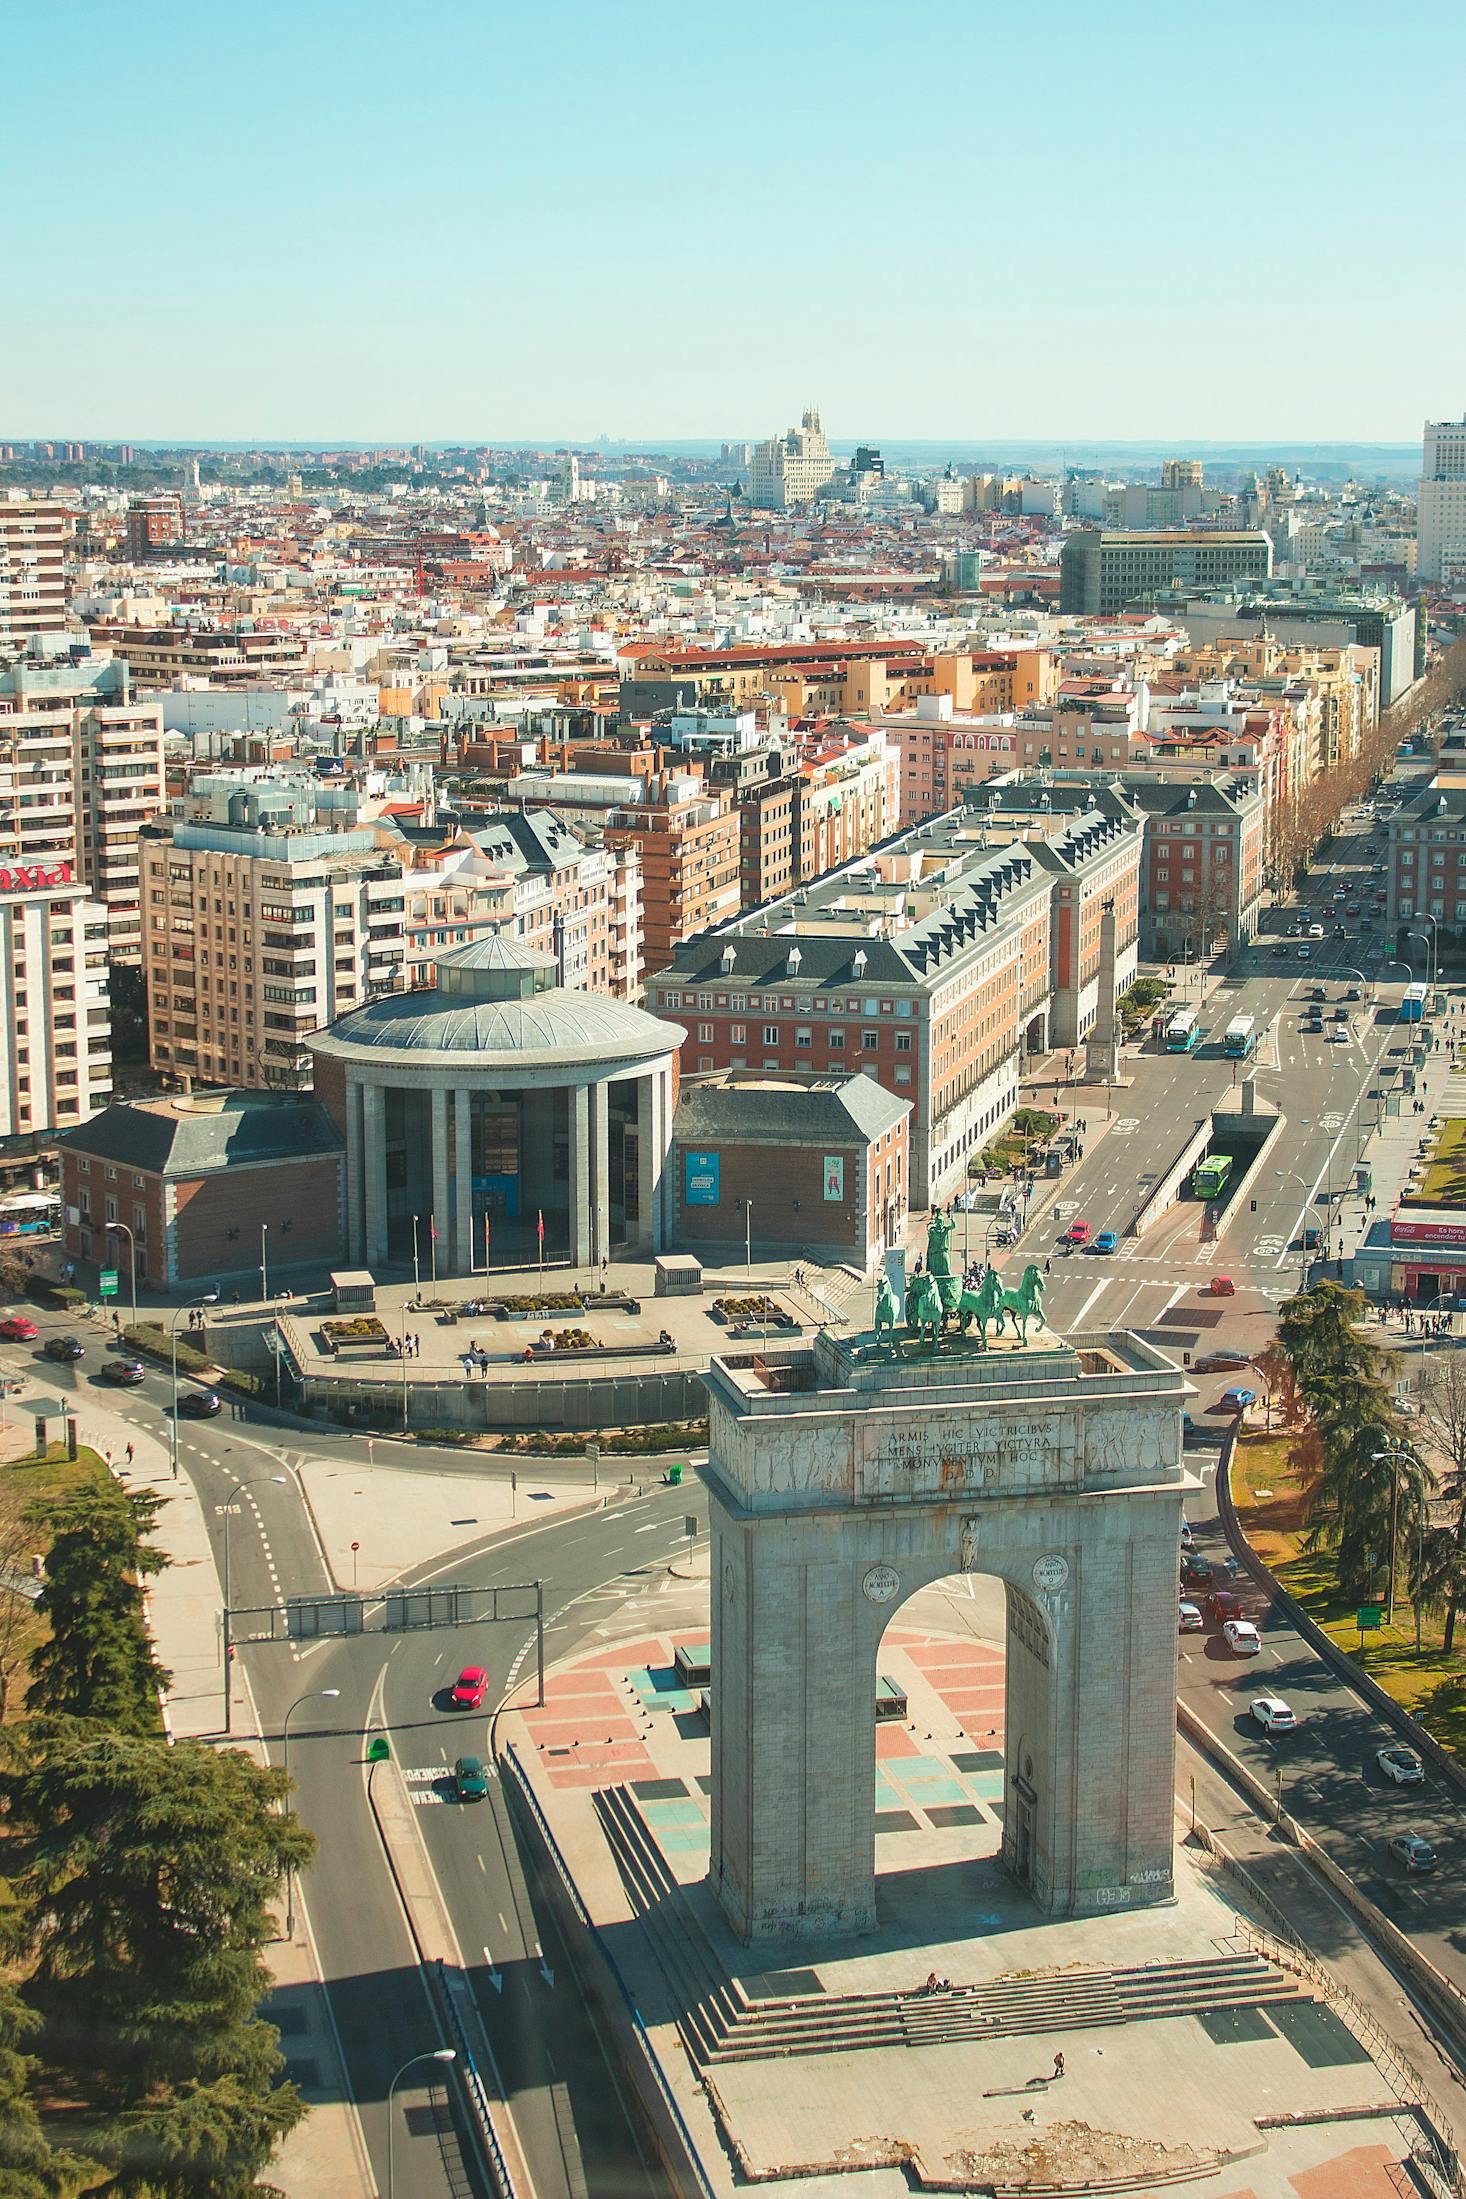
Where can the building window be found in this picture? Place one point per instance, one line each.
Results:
(903, 1042)
(771, 1034)
(738, 1033)
(836, 1041)
(705, 1033)
(804, 1036)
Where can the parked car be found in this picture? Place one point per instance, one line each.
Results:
(1308, 1240)
(1221, 1362)
(470, 1688)
(1400, 1765)
(200, 1404)
(65, 1347)
(18, 1330)
(1316, 992)
(1272, 1714)
(123, 1372)
(1106, 1241)
(1414, 1853)
(1196, 1572)
(470, 1780)
(1192, 1621)
(1242, 1638)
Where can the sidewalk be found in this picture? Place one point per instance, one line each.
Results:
(325, 2152)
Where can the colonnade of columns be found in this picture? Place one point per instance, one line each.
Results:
(450, 1169)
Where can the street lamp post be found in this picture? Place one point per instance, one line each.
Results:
(131, 1261)
(1395, 1450)
(1413, 931)
(415, 1281)
(438, 2054)
(228, 1583)
(1310, 1198)
(264, 1265)
(314, 1695)
(209, 1298)
(748, 1237)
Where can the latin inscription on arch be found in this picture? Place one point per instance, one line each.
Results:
(1003, 1459)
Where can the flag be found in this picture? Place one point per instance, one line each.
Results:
(432, 1225)
(486, 1240)
(540, 1224)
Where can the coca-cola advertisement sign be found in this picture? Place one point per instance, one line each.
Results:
(33, 877)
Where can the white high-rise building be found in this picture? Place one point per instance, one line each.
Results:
(790, 469)
(1441, 517)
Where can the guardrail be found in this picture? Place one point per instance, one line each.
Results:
(452, 1985)
(651, 2062)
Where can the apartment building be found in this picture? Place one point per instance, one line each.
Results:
(1426, 864)
(81, 771)
(1318, 620)
(55, 1018)
(155, 525)
(235, 655)
(687, 838)
(1205, 861)
(928, 965)
(33, 544)
(1440, 538)
(267, 916)
(1103, 570)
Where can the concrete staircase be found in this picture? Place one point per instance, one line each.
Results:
(720, 2022)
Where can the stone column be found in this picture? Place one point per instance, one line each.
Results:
(579, 1189)
(374, 1166)
(440, 1212)
(355, 1187)
(600, 1172)
(464, 1249)
(652, 1125)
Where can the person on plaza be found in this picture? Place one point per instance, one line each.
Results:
(1058, 2065)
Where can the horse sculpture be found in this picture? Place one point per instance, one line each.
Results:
(885, 1315)
(991, 1302)
(924, 1308)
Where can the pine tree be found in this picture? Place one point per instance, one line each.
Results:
(98, 1661)
(147, 1880)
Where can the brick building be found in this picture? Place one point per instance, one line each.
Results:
(930, 966)
(1425, 870)
(789, 1163)
(192, 1181)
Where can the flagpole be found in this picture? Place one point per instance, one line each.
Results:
(433, 1241)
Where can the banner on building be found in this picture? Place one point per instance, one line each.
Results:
(834, 1176)
(700, 1179)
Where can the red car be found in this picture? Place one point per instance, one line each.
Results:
(470, 1688)
(18, 1330)
(1224, 1604)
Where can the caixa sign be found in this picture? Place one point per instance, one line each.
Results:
(33, 877)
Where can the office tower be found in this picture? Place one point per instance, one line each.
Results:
(1440, 552)
(33, 540)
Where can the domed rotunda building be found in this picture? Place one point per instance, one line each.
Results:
(497, 1100)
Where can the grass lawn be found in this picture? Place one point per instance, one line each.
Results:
(1444, 1182)
(23, 1482)
(1271, 1496)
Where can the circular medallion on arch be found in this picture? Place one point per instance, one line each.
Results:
(1050, 1574)
(881, 1584)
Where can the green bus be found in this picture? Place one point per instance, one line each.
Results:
(1209, 1177)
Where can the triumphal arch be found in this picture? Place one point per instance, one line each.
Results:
(846, 1473)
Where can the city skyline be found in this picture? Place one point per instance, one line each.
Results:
(913, 224)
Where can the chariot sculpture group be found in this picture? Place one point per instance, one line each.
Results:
(936, 1296)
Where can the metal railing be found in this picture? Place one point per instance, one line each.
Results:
(583, 1916)
(451, 1985)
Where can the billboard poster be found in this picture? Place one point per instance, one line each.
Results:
(834, 1176)
(700, 1179)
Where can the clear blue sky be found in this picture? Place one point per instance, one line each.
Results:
(349, 219)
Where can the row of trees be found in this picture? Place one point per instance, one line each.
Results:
(1373, 1497)
(1306, 821)
(140, 1879)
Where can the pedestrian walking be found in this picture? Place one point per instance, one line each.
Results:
(1058, 2065)
(128, 1454)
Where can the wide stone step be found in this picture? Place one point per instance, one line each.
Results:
(1011, 2008)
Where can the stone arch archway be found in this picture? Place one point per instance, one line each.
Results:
(842, 1481)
